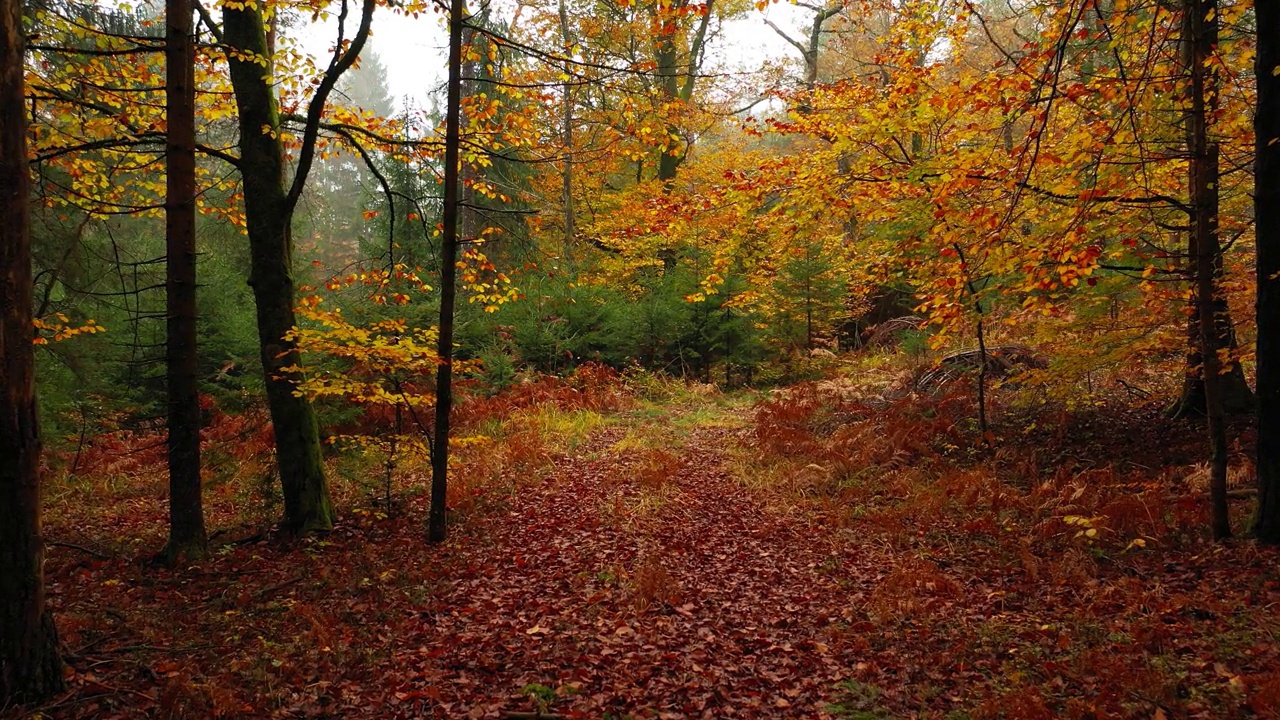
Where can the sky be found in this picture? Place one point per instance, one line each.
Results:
(413, 50)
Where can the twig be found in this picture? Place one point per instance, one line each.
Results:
(114, 689)
(81, 548)
(1133, 389)
(267, 591)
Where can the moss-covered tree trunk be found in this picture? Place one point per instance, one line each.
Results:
(268, 214)
(676, 79)
(30, 668)
(1266, 202)
(187, 539)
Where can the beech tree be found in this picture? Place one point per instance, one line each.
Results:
(813, 40)
(676, 74)
(1210, 329)
(269, 207)
(30, 666)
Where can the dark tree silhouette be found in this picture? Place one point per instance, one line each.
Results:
(30, 668)
(1266, 202)
(187, 539)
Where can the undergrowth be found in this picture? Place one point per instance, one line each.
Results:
(1095, 515)
(107, 490)
(1064, 573)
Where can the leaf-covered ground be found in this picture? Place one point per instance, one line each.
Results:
(644, 573)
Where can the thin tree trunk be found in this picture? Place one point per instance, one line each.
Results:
(30, 667)
(268, 215)
(1266, 203)
(437, 522)
(1200, 35)
(668, 158)
(187, 539)
(566, 189)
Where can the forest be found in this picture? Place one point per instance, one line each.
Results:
(623, 359)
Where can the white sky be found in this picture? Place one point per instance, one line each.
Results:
(413, 50)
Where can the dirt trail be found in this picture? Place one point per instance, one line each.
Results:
(635, 598)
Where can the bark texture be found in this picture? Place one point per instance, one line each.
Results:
(268, 214)
(1267, 224)
(187, 538)
(30, 667)
(437, 521)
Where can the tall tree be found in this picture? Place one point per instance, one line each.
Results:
(1200, 39)
(30, 667)
(437, 527)
(1210, 327)
(187, 539)
(812, 41)
(676, 75)
(1266, 203)
(269, 208)
(566, 173)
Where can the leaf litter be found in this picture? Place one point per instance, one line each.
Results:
(653, 583)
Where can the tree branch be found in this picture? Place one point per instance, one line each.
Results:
(342, 60)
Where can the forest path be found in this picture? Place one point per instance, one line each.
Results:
(642, 566)
(636, 582)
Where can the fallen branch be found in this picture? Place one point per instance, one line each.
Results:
(81, 548)
(266, 592)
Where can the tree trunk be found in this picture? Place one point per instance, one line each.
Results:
(1266, 203)
(437, 522)
(566, 177)
(1237, 398)
(30, 668)
(669, 158)
(669, 82)
(187, 539)
(1200, 38)
(676, 93)
(268, 214)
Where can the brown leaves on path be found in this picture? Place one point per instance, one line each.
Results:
(637, 577)
(629, 597)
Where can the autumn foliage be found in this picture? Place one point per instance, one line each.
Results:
(832, 386)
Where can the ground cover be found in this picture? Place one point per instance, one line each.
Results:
(649, 549)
